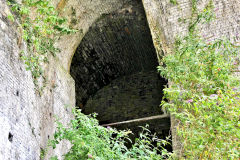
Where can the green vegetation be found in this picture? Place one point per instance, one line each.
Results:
(174, 2)
(204, 93)
(91, 141)
(204, 96)
(39, 30)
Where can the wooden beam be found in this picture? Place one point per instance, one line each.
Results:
(137, 120)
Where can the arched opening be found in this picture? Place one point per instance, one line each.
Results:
(114, 69)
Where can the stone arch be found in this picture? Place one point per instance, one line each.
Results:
(117, 44)
(114, 68)
(82, 15)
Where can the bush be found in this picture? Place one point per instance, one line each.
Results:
(91, 141)
(204, 96)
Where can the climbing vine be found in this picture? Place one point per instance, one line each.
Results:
(204, 93)
(40, 25)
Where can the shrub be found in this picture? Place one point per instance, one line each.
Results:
(91, 141)
(204, 96)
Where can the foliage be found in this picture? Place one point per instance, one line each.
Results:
(201, 68)
(91, 141)
(40, 24)
(200, 16)
(174, 2)
(204, 94)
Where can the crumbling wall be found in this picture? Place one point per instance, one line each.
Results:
(167, 21)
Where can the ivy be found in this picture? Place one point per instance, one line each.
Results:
(39, 30)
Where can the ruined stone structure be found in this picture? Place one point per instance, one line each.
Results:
(27, 119)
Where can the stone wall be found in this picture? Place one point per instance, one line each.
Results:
(128, 97)
(26, 118)
(166, 21)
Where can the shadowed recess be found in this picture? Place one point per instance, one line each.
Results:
(115, 73)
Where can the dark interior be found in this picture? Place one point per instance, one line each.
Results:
(115, 73)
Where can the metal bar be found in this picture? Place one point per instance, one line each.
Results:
(137, 120)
